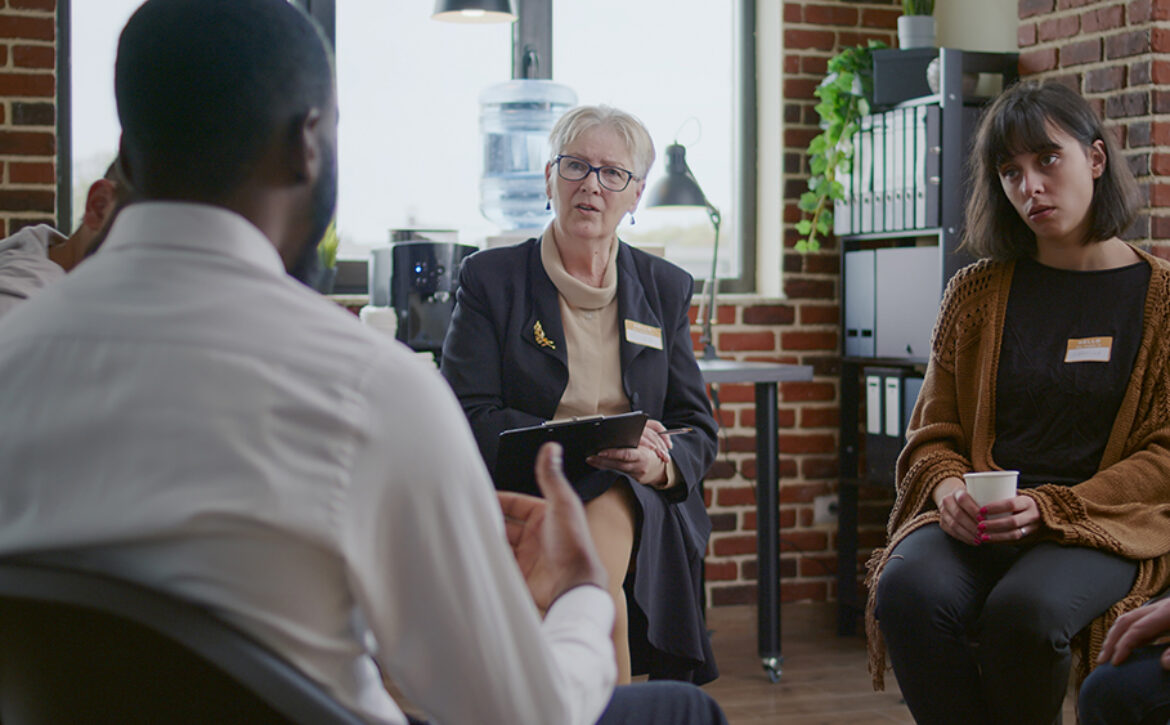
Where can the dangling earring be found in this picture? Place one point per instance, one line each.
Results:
(548, 204)
(632, 222)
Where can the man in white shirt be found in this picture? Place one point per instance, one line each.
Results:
(239, 442)
(37, 255)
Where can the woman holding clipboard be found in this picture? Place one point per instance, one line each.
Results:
(576, 323)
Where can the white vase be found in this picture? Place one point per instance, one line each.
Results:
(915, 31)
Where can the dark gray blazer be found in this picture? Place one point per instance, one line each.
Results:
(505, 379)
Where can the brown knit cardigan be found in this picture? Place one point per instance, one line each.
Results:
(1123, 509)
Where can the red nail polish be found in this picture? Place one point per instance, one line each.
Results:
(977, 541)
(983, 511)
(985, 537)
(982, 527)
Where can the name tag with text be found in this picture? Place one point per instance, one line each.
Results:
(641, 334)
(1089, 349)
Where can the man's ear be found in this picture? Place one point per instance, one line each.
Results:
(305, 154)
(99, 203)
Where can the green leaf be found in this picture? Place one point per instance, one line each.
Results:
(803, 227)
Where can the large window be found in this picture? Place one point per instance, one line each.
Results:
(410, 145)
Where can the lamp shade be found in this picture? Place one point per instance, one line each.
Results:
(474, 11)
(678, 187)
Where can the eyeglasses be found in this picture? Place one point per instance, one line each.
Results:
(614, 178)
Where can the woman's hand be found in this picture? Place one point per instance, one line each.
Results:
(959, 514)
(1022, 519)
(645, 464)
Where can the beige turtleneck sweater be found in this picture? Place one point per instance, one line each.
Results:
(592, 340)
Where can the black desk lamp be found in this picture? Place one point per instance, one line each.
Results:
(474, 11)
(680, 188)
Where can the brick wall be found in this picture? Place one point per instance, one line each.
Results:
(28, 116)
(803, 328)
(1117, 54)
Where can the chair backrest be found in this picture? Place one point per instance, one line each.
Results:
(78, 647)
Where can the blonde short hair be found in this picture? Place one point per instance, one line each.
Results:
(577, 121)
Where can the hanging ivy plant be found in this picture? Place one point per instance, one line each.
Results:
(843, 101)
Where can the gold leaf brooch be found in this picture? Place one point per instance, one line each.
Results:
(541, 338)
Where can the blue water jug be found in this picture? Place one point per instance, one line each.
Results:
(515, 120)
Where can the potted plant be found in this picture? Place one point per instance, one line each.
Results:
(327, 254)
(916, 26)
(844, 98)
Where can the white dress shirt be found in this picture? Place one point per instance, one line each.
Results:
(198, 421)
(25, 266)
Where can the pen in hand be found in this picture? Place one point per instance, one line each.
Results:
(674, 431)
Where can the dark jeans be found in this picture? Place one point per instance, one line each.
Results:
(657, 703)
(980, 634)
(1137, 692)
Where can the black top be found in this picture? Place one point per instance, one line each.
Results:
(1056, 396)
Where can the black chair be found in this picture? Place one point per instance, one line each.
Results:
(78, 647)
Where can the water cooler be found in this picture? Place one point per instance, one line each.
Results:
(423, 280)
(515, 120)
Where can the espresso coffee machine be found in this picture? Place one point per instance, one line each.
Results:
(423, 281)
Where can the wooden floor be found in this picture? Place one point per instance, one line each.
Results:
(824, 678)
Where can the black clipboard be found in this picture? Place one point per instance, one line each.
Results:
(579, 437)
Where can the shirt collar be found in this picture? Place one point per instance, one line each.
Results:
(196, 227)
(577, 293)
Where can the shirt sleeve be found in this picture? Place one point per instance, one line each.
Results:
(436, 581)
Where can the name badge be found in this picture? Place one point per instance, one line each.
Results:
(641, 334)
(1089, 349)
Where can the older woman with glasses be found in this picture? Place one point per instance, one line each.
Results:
(578, 323)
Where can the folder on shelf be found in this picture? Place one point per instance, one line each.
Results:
(932, 166)
(855, 185)
(908, 155)
(893, 406)
(842, 215)
(866, 186)
(873, 404)
(879, 173)
(898, 169)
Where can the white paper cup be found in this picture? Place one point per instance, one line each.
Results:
(991, 486)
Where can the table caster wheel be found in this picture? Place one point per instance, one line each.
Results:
(772, 668)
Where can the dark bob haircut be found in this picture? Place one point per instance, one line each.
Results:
(205, 87)
(1016, 123)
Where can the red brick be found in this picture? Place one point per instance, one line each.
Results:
(791, 65)
(31, 173)
(1160, 227)
(880, 18)
(47, 5)
(729, 596)
(802, 492)
(796, 443)
(822, 263)
(27, 200)
(1138, 134)
(804, 591)
(1161, 102)
(733, 545)
(1103, 19)
(1086, 51)
(813, 566)
(1161, 10)
(1056, 28)
(1140, 73)
(737, 496)
(722, 571)
(807, 391)
(1101, 80)
(817, 65)
(1026, 35)
(1132, 43)
(29, 28)
(819, 417)
(1037, 61)
(830, 15)
(734, 341)
(1028, 8)
(1161, 72)
(800, 87)
(803, 541)
(800, 39)
(1124, 105)
(27, 84)
(34, 56)
(1139, 11)
(3, 54)
(1066, 4)
(792, 13)
(769, 315)
(807, 340)
(809, 289)
(785, 418)
(787, 468)
(737, 393)
(1160, 195)
(1160, 164)
(33, 114)
(27, 143)
(816, 468)
(1161, 133)
(819, 314)
(1160, 40)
